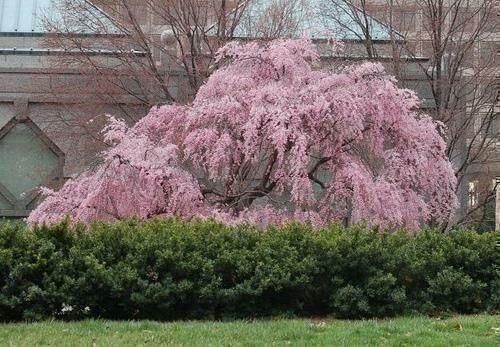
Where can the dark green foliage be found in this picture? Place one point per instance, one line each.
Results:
(169, 269)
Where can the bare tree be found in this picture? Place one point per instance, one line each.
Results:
(197, 29)
(352, 21)
(152, 45)
(270, 19)
(160, 50)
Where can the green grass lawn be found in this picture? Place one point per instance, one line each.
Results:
(456, 331)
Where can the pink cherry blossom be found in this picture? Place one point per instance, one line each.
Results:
(269, 139)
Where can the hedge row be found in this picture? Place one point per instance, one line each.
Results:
(168, 269)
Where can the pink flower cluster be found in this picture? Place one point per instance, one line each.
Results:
(269, 139)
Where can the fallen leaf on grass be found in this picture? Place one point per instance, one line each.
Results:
(318, 325)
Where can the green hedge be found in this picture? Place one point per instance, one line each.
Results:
(168, 269)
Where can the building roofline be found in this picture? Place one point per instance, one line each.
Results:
(59, 52)
(40, 34)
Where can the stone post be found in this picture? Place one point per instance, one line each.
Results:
(497, 204)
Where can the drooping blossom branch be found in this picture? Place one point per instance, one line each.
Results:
(268, 132)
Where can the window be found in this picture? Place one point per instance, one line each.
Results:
(473, 193)
(156, 48)
(465, 19)
(404, 20)
(487, 53)
(488, 19)
(138, 10)
(160, 19)
(494, 183)
(427, 49)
